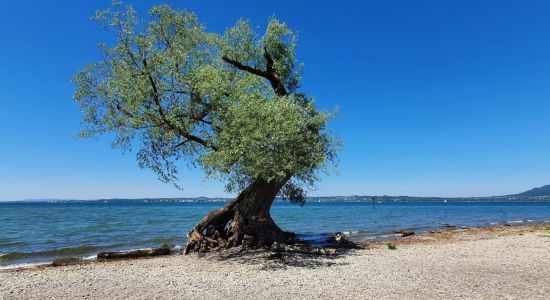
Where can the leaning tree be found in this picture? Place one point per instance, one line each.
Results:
(227, 103)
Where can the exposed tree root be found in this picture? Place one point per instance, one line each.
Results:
(303, 249)
(245, 221)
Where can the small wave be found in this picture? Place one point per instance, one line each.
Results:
(26, 265)
(54, 252)
(11, 243)
(515, 222)
(352, 232)
(388, 235)
(160, 241)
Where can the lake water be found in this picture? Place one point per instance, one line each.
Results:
(41, 232)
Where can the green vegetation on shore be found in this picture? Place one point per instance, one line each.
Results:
(354, 198)
(541, 194)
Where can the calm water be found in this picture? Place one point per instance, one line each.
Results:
(40, 232)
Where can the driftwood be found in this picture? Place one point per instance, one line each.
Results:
(134, 253)
(403, 233)
(303, 249)
(338, 238)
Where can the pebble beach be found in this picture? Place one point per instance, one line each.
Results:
(489, 263)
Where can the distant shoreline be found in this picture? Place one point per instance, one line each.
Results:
(308, 199)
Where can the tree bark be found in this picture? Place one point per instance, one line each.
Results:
(245, 221)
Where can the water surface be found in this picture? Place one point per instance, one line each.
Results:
(40, 232)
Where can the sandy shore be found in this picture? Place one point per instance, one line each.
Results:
(489, 263)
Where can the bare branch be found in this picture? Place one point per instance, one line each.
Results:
(269, 65)
(184, 133)
(180, 144)
(269, 73)
(242, 67)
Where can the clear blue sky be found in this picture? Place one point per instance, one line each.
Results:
(442, 98)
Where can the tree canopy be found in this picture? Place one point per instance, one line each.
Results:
(228, 103)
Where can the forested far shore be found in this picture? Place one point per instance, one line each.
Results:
(308, 199)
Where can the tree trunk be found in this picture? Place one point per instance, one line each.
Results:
(245, 221)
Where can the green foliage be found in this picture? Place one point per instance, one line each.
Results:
(293, 193)
(227, 103)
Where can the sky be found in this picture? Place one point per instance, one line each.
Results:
(435, 98)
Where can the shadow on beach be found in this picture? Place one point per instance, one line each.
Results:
(277, 260)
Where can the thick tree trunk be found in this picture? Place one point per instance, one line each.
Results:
(245, 221)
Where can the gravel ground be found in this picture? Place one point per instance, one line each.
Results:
(490, 263)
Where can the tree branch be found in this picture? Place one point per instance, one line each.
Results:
(242, 67)
(176, 91)
(180, 144)
(269, 73)
(269, 65)
(184, 133)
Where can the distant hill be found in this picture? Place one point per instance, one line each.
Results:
(536, 192)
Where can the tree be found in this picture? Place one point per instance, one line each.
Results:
(227, 103)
